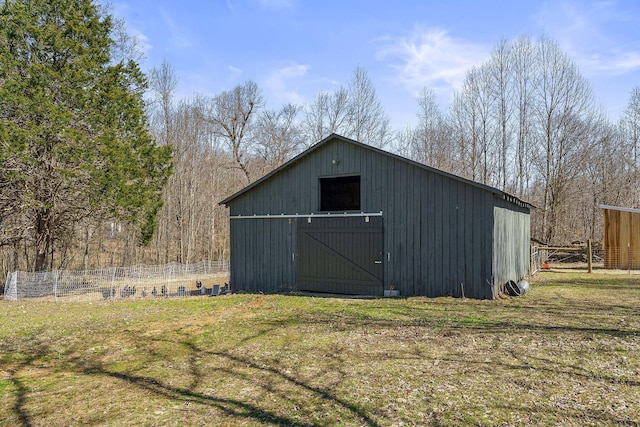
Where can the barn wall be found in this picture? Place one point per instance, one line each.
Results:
(437, 233)
(261, 258)
(438, 230)
(511, 248)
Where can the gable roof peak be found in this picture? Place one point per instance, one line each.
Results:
(335, 136)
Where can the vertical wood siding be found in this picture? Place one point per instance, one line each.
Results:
(439, 231)
(261, 255)
(621, 239)
(511, 243)
(340, 255)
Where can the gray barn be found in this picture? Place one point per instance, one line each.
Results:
(344, 217)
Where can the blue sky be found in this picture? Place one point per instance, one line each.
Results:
(293, 49)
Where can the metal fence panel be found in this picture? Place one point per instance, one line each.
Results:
(119, 282)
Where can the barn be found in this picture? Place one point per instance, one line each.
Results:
(621, 237)
(344, 217)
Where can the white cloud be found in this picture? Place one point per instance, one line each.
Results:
(601, 37)
(140, 40)
(430, 57)
(611, 64)
(278, 82)
(178, 37)
(276, 4)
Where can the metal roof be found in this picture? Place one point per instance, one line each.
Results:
(619, 208)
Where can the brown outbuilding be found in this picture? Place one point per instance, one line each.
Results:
(621, 237)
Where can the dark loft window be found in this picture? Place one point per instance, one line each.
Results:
(340, 194)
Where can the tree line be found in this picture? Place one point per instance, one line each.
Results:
(102, 165)
(527, 122)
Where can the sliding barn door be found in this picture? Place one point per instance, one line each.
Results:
(341, 255)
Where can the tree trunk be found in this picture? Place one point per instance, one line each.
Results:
(43, 239)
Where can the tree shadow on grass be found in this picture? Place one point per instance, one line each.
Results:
(420, 316)
(563, 412)
(231, 407)
(232, 365)
(323, 394)
(21, 395)
(411, 317)
(21, 390)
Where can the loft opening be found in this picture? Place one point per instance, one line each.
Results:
(340, 193)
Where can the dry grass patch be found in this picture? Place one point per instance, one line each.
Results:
(564, 354)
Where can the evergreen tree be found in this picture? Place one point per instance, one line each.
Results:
(74, 142)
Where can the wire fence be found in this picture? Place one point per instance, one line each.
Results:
(624, 258)
(612, 259)
(537, 258)
(141, 281)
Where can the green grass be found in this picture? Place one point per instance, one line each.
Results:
(566, 353)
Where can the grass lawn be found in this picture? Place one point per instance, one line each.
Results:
(566, 353)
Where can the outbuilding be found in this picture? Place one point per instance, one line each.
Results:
(621, 237)
(344, 217)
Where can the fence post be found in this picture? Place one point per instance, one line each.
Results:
(11, 288)
(113, 283)
(589, 256)
(532, 260)
(55, 286)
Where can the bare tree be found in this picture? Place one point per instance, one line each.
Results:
(403, 142)
(428, 142)
(355, 112)
(630, 134)
(499, 72)
(533, 94)
(326, 115)
(431, 136)
(368, 123)
(524, 87)
(604, 180)
(565, 113)
(463, 141)
(192, 226)
(278, 136)
(232, 114)
(473, 126)
(125, 46)
(163, 83)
